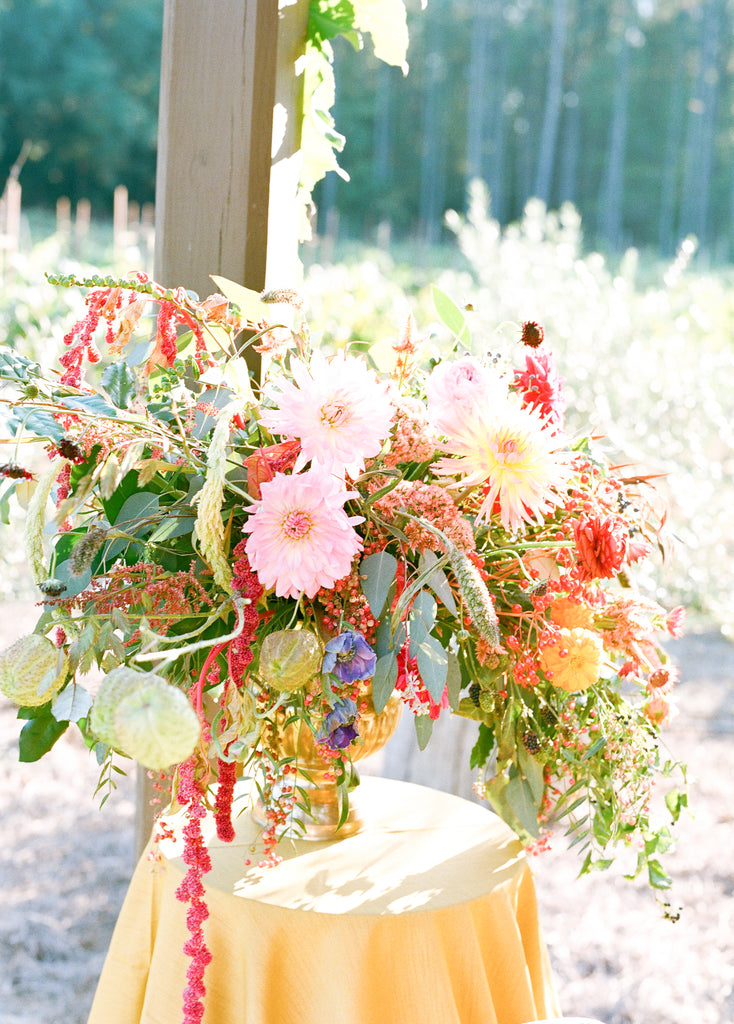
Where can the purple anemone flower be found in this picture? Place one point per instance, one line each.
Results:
(338, 729)
(349, 657)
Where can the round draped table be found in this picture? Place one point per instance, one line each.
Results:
(428, 916)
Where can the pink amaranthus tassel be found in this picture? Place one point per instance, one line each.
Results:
(191, 891)
(227, 775)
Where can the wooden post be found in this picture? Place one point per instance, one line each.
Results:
(222, 63)
(218, 72)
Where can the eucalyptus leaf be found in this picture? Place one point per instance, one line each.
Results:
(120, 383)
(377, 573)
(438, 581)
(89, 403)
(73, 584)
(433, 666)
(506, 740)
(383, 681)
(40, 423)
(522, 802)
(175, 524)
(532, 770)
(137, 511)
(137, 353)
(17, 367)
(422, 620)
(423, 729)
(453, 681)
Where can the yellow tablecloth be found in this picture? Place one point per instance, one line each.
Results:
(427, 917)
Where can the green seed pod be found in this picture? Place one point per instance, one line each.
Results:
(142, 715)
(290, 658)
(32, 671)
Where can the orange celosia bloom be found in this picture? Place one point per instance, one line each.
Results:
(573, 662)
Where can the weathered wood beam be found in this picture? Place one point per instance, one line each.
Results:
(218, 75)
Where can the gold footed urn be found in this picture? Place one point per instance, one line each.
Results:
(317, 808)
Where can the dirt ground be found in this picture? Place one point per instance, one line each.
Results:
(65, 865)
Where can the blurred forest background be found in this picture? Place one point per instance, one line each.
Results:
(621, 107)
(567, 161)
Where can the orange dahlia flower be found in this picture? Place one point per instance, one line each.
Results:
(573, 662)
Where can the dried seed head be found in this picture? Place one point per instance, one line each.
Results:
(85, 549)
(70, 450)
(476, 596)
(287, 296)
(52, 587)
(290, 658)
(209, 523)
(13, 472)
(532, 334)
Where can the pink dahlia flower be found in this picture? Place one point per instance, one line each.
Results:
(458, 390)
(509, 452)
(541, 387)
(301, 539)
(336, 407)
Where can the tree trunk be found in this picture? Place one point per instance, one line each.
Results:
(700, 135)
(430, 210)
(479, 92)
(669, 180)
(553, 98)
(493, 168)
(611, 196)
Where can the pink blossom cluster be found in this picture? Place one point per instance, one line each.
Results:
(434, 504)
(413, 440)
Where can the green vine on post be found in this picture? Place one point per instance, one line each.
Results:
(385, 22)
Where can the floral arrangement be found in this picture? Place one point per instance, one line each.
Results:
(240, 528)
